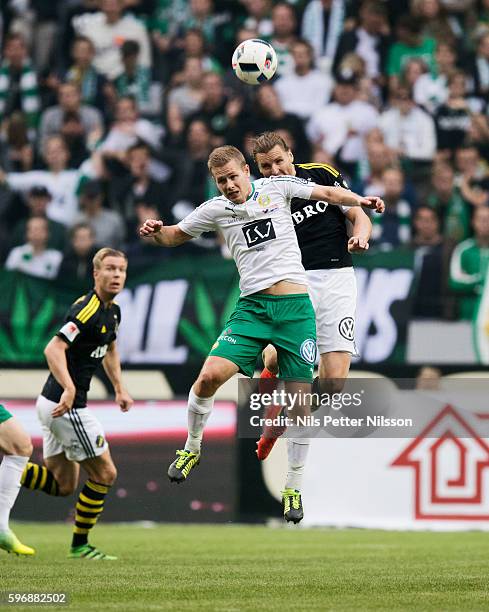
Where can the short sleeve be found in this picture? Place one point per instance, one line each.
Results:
(79, 317)
(199, 221)
(294, 187)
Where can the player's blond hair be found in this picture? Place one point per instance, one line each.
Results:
(223, 155)
(101, 254)
(266, 141)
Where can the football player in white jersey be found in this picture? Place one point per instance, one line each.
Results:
(274, 307)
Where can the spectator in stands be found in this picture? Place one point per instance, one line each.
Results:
(431, 89)
(38, 199)
(413, 69)
(322, 25)
(472, 175)
(198, 184)
(306, 90)
(430, 264)
(126, 130)
(447, 200)
(194, 45)
(16, 150)
(18, 81)
(469, 264)
(61, 182)
(76, 268)
(107, 30)
(216, 109)
(34, 257)
(141, 252)
(393, 228)
(268, 114)
(259, 17)
(339, 127)
(452, 118)
(135, 79)
(166, 20)
(378, 158)
(410, 131)
(91, 84)
(284, 22)
(69, 102)
(434, 21)
(139, 186)
(107, 225)
(479, 67)
(185, 99)
(410, 43)
(369, 40)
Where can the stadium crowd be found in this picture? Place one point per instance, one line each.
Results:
(110, 108)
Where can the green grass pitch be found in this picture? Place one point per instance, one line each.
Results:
(235, 568)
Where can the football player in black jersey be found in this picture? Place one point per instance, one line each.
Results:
(72, 435)
(325, 246)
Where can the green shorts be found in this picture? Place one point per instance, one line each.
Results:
(4, 414)
(286, 321)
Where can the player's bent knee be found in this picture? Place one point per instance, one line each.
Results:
(208, 382)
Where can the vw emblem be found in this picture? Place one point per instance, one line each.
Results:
(346, 327)
(308, 350)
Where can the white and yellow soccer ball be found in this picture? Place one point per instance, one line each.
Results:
(254, 61)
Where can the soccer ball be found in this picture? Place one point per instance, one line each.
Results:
(254, 61)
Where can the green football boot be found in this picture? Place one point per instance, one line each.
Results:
(292, 504)
(87, 551)
(183, 465)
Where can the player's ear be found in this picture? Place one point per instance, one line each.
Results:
(291, 155)
(246, 170)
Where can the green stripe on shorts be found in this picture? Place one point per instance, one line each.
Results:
(4, 414)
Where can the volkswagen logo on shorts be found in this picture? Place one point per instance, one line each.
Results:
(308, 350)
(346, 328)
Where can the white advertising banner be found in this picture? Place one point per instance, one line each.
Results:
(437, 479)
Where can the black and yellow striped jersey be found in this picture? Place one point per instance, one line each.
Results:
(88, 329)
(321, 230)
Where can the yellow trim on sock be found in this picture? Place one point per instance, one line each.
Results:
(92, 502)
(80, 530)
(88, 509)
(44, 477)
(98, 488)
(87, 521)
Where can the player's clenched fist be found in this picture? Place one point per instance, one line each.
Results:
(374, 203)
(150, 227)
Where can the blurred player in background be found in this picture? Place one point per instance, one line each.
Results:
(325, 247)
(73, 436)
(274, 306)
(16, 446)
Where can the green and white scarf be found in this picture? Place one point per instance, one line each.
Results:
(29, 92)
(137, 87)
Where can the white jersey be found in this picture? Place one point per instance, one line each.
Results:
(259, 233)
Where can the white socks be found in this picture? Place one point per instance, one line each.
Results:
(199, 410)
(297, 449)
(11, 470)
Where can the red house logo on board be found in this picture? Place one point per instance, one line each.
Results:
(449, 462)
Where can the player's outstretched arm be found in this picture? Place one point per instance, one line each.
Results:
(164, 235)
(361, 230)
(55, 353)
(345, 197)
(112, 367)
